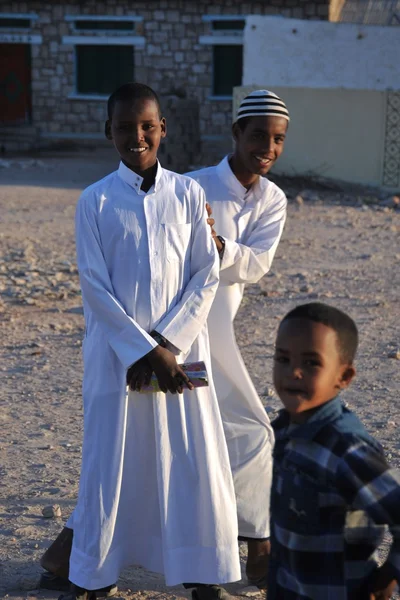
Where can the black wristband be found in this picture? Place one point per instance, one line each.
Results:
(221, 252)
(160, 339)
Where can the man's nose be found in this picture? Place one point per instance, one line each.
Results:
(267, 148)
(138, 134)
(270, 147)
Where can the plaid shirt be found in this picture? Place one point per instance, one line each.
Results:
(333, 495)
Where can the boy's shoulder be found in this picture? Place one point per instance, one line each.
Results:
(181, 182)
(349, 428)
(213, 181)
(210, 181)
(271, 197)
(202, 174)
(272, 190)
(100, 186)
(338, 433)
(326, 449)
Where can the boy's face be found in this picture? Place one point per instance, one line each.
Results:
(136, 130)
(261, 143)
(308, 370)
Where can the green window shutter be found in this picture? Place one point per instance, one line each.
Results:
(6, 23)
(105, 25)
(229, 25)
(101, 69)
(228, 68)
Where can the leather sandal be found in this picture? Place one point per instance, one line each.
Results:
(210, 592)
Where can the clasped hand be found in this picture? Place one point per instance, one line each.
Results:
(170, 376)
(211, 223)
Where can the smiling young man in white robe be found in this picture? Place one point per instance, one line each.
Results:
(156, 487)
(250, 213)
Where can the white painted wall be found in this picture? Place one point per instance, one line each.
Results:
(319, 54)
(339, 134)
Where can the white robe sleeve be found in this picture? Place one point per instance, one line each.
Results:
(128, 340)
(247, 263)
(184, 322)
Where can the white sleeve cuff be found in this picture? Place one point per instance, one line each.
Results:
(130, 345)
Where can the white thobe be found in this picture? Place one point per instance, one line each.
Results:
(156, 487)
(251, 223)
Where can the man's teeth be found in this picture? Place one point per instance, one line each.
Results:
(265, 161)
(140, 150)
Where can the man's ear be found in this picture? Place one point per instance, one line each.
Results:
(163, 123)
(347, 376)
(236, 131)
(107, 130)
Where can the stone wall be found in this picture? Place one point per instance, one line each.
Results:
(172, 60)
(181, 148)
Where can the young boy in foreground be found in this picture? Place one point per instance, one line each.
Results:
(333, 491)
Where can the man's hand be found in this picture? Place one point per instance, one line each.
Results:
(383, 583)
(139, 374)
(210, 220)
(211, 223)
(170, 376)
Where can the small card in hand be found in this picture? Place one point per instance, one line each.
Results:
(196, 371)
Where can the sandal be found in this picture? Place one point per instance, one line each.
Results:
(210, 592)
(78, 593)
(260, 582)
(49, 581)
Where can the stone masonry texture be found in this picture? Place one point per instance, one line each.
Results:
(172, 61)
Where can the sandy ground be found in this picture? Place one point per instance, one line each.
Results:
(338, 247)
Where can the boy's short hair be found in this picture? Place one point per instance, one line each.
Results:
(130, 92)
(242, 123)
(346, 329)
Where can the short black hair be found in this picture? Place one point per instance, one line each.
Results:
(339, 321)
(243, 122)
(130, 92)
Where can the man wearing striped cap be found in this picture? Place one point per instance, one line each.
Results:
(249, 212)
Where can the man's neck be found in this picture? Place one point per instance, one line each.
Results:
(244, 176)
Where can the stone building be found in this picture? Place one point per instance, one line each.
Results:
(60, 60)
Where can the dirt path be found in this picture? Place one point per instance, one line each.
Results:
(345, 253)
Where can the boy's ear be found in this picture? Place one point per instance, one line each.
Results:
(107, 130)
(163, 123)
(347, 376)
(235, 131)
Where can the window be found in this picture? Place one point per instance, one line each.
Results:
(16, 22)
(104, 53)
(105, 25)
(101, 69)
(228, 25)
(227, 69)
(110, 24)
(226, 38)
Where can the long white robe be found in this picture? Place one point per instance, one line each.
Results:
(251, 223)
(156, 487)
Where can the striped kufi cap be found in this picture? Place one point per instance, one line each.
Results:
(262, 103)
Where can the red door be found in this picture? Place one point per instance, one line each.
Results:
(15, 84)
